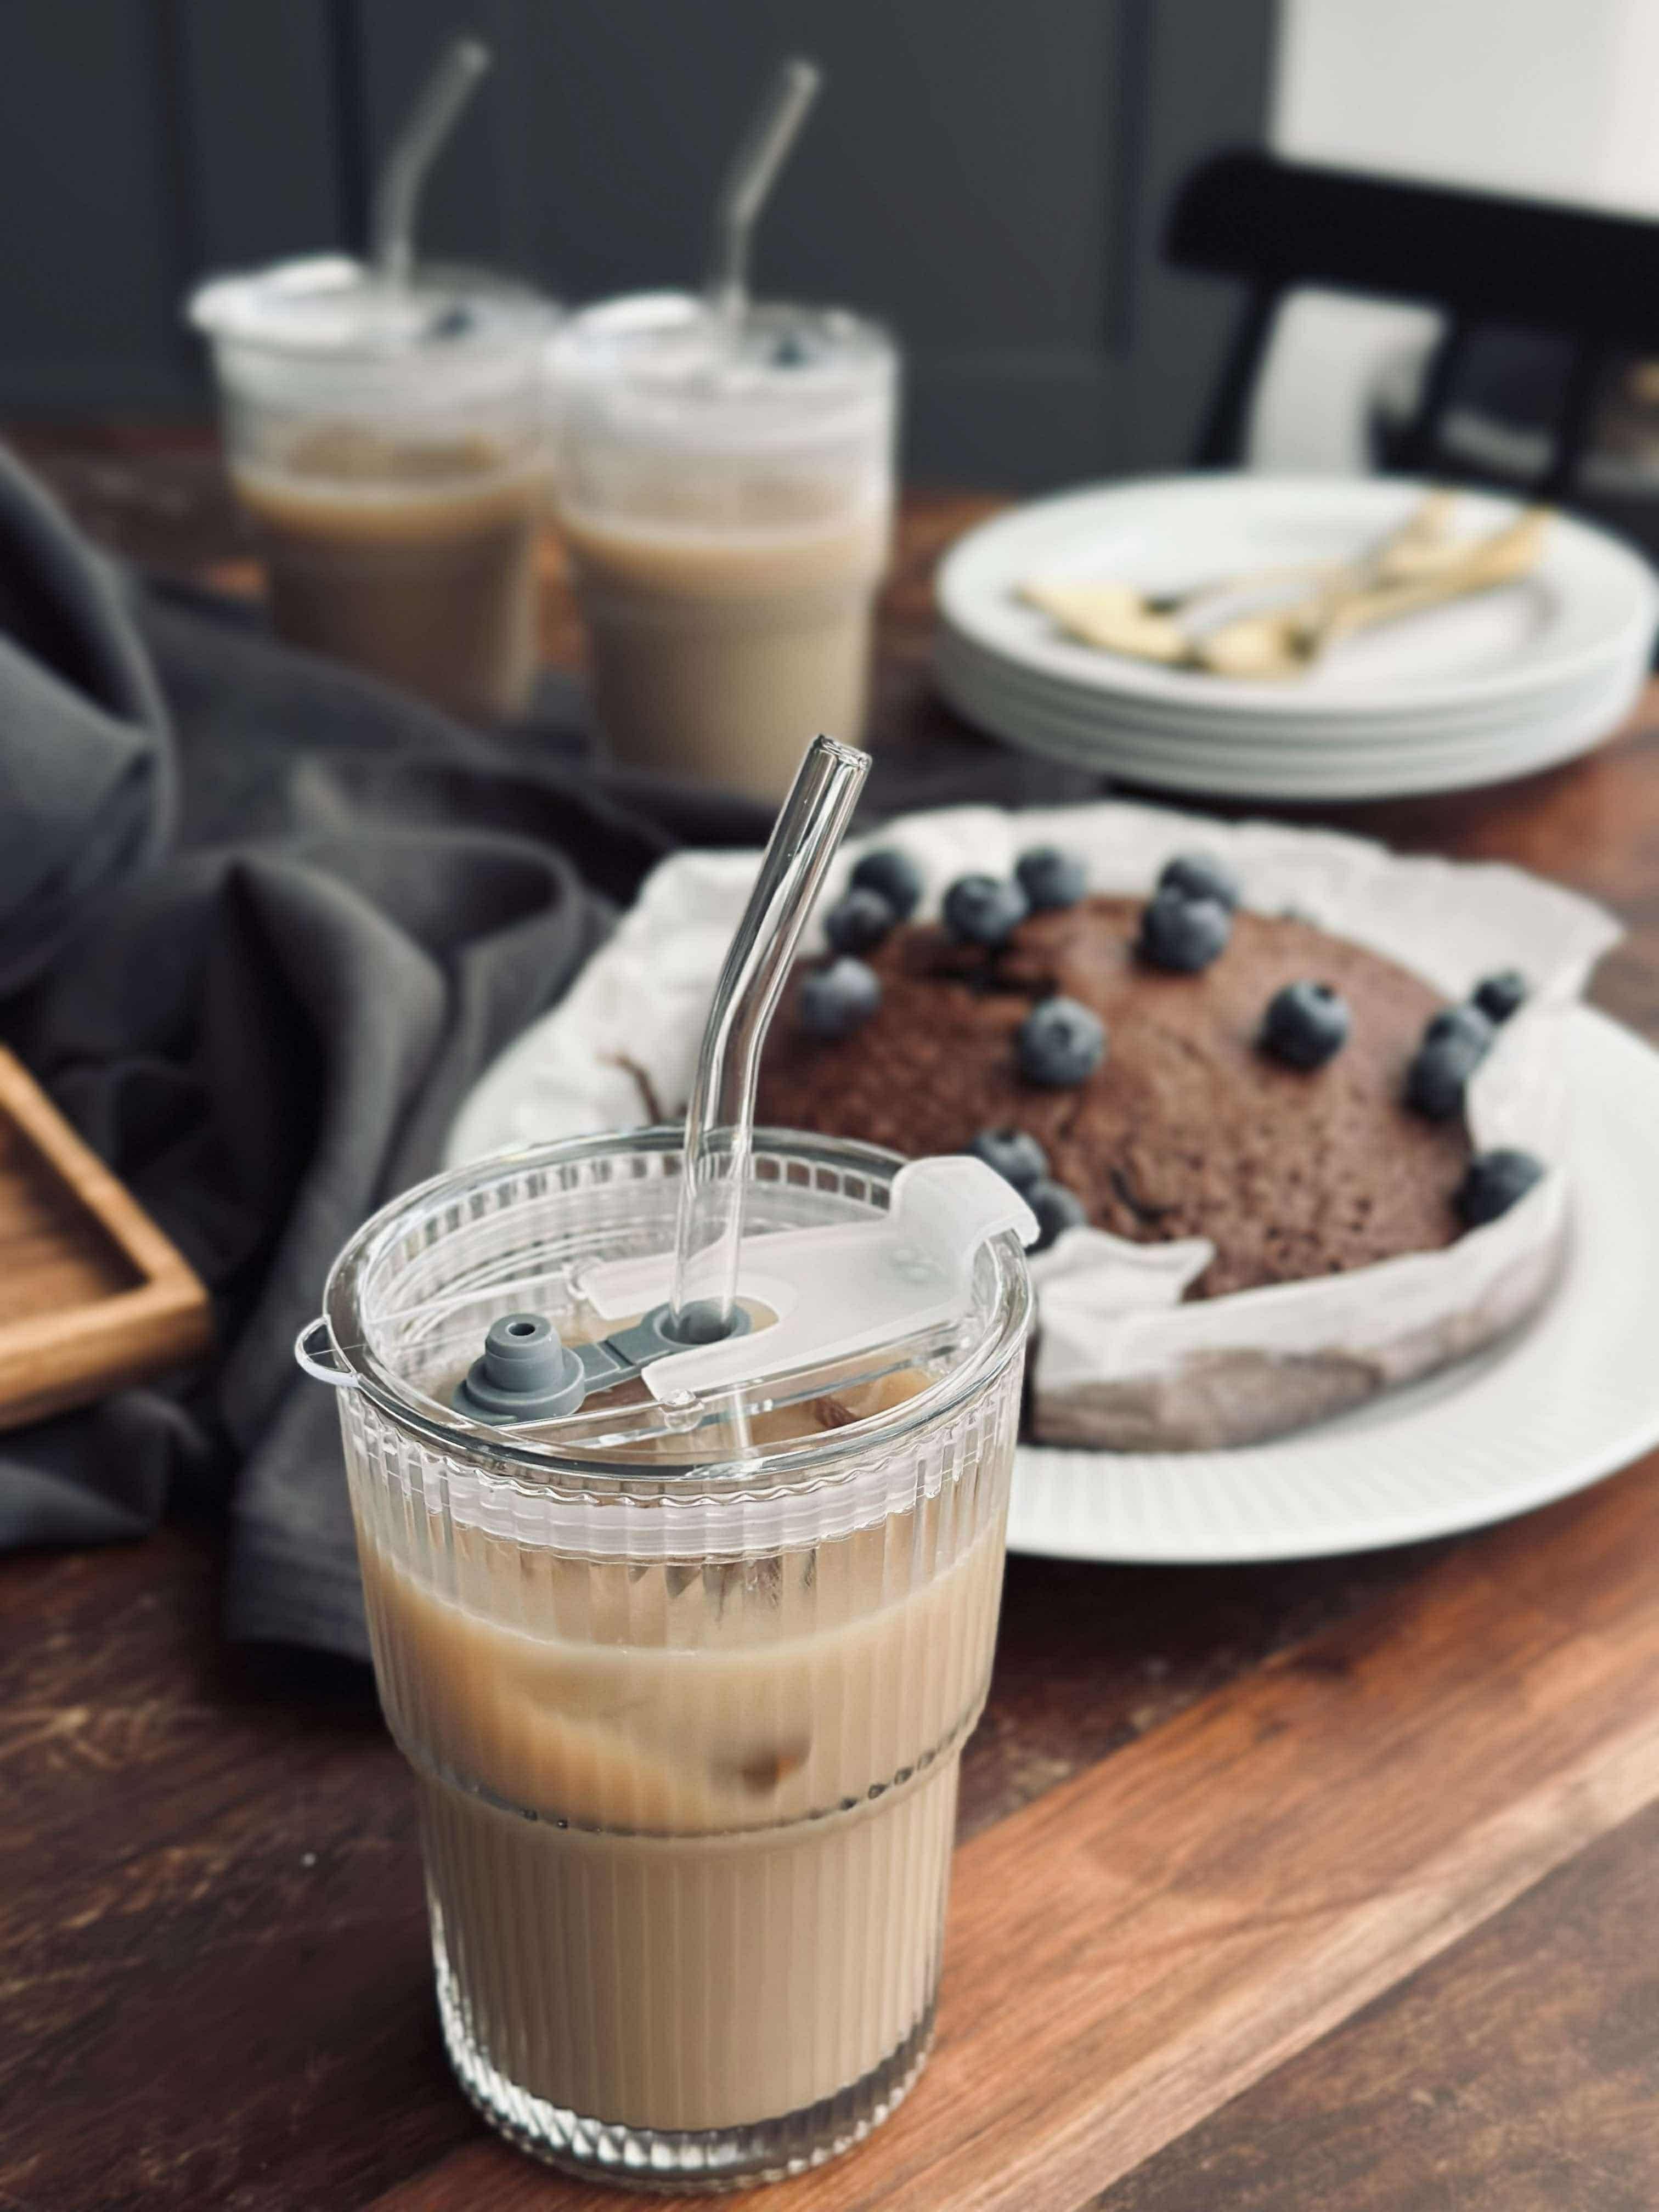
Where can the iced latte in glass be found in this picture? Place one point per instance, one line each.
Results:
(386, 441)
(726, 493)
(686, 1708)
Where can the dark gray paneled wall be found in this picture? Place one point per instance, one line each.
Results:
(987, 175)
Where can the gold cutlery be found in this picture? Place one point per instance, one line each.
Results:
(1417, 565)
(1265, 646)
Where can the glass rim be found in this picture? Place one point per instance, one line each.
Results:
(809, 1462)
(243, 309)
(612, 342)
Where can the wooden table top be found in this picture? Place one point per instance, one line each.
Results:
(1318, 1888)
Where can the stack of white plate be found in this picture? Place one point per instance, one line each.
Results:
(1472, 692)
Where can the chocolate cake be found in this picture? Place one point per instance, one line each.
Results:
(1187, 1127)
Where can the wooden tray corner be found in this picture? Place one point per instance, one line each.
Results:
(91, 1294)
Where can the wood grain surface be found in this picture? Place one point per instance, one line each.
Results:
(1326, 1887)
(1518, 2073)
(91, 1294)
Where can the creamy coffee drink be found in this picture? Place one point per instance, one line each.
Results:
(418, 562)
(687, 1827)
(725, 494)
(387, 441)
(723, 655)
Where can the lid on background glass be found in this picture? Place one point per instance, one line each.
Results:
(664, 370)
(330, 305)
(673, 340)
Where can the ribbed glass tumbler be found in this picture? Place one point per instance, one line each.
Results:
(686, 1729)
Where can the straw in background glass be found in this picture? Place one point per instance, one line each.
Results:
(760, 155)
(461, 66)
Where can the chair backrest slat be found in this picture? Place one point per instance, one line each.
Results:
(1483, 256)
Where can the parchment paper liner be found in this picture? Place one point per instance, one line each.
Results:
(1119, 1362)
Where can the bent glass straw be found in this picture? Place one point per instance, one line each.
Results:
(720, 1118)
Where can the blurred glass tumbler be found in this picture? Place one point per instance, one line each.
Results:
(388, 443)
(725, 490)
(686, 1732)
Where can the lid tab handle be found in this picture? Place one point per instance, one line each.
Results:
(313, 1348)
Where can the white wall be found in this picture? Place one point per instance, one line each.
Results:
(1555, 97)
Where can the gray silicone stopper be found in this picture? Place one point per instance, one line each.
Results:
(524, 1373)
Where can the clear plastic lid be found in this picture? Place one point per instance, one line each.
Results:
(329, 304)
(558, 1261)
(664, 368)
(327, 334)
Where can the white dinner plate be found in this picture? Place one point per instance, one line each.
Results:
(1520, 743)
(1572, 1396)
(1011, 687)
(1588, 599)
(1151, 759)
(1296, 733)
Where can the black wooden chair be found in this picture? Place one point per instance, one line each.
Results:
(1591, 281)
